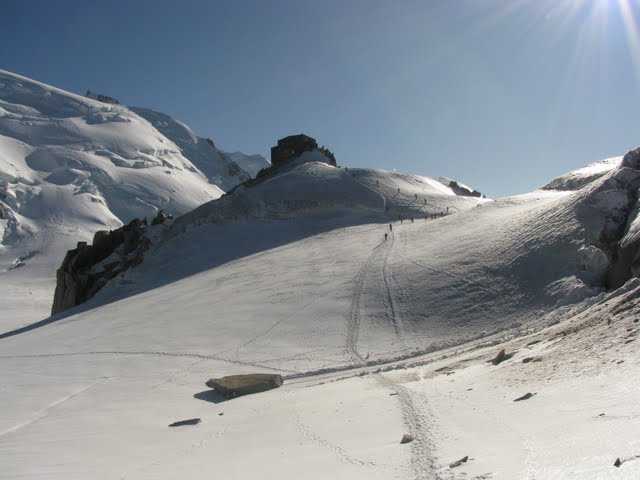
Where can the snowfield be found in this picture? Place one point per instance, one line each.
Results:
(381, 298)
(71, 165)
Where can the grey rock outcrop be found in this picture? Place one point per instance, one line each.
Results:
(87, 268)
(462, 190)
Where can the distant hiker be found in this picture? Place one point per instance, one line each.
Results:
(411, 219)
(390, 227)
(386, 235)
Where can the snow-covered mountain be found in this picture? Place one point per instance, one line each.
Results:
(72, 165)
(379, 331)
(220, 168)
(383, 299)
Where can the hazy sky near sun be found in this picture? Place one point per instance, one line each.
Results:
(501, 94)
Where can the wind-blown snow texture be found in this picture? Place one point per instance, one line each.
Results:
(71, 165)
(376, 338)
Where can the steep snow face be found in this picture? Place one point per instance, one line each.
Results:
(70, 166)
(202, 152)
(251, 164)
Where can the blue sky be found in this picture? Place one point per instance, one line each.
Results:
(501, 94)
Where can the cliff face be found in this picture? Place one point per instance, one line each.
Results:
(88, 268)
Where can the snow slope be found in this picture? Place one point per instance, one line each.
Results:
(71, 165)
(219, 168)
(375, 338)
(251, 164)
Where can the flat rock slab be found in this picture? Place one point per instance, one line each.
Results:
(182, 423)
(236, 385)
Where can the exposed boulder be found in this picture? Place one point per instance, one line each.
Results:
(182, 423)
(501, 356)
(457, 463)
(88, 268)
(236, 385)
(526, 396)
(463, 190)
(406, 438)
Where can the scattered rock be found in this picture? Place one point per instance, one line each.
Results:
(406, 438)
(526, 396)
(236, 385)
(501, 357)
(457, 463)
(191, 421)
(617, 463)
(221, 414)
(531, 359)
(533, 342)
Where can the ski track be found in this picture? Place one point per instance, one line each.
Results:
(162, 354)
(45, 411)
(422, 463)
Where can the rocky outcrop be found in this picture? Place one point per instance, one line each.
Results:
(291, 147)
(463, 190)
(88, 268)
(236, 385)
(287, 151)
(102, 98)
(620, 235)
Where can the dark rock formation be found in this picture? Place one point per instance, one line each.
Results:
(526, 396)
(501, 357)
(88, 268)
(462, 190)
(182, 423)
(288, 149)
(406, 438)
(236, 385)
(291, 147)
(102, 98)
(457, 463)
